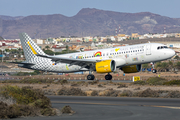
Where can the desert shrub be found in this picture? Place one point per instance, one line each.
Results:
(49, 92)
(48, 112)
(139, 82)
(10, 81)
(155, 81)
(74, 84)
(172, 82)
(71, 91)
(126, 93)
(22, 95)
(81, 82)
(110, 92)
(29, 101)
(14, 111)
(148, 93)
(173, 94)
(138, 88)
(99, 85)
(122, 86)
(67, 109)
(94, 82)
(63, 82)
(94, 93)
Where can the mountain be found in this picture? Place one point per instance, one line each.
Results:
(4, 17)
(88, 21)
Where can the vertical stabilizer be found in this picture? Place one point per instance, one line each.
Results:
(29, 47)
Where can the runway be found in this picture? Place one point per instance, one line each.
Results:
(115, 108)
(16, 78)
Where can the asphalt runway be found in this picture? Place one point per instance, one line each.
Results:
(15, 78)
(122, 81)
(115, 108)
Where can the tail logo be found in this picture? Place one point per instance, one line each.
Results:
(32, 48)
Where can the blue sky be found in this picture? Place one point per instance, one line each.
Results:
(169, 8)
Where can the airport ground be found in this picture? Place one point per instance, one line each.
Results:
(114, 100)
(113, 108)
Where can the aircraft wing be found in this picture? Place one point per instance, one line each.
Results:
(71, 61)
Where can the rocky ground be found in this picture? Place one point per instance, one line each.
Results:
(101, 88)
(54, 84)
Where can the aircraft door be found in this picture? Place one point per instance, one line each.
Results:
(148, 49)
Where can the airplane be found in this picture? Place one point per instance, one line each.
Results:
(127, 58)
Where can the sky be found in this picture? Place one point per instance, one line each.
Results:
(169, 8)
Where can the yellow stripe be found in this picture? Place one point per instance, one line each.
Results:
(31, 48)
(88, 103)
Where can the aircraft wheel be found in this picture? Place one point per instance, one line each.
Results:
(108, 77)
(90, 77)
(154, 71)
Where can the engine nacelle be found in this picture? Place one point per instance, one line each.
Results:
(131, 68)
(105, 66)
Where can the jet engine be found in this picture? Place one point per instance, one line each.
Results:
(131, 68)
(105, 66)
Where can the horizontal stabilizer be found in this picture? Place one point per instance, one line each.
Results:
(22, 63)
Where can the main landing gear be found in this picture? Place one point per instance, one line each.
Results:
(90, 77)
(153, 70)
(108, 77)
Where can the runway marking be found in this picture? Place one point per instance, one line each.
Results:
(89, 103)
(115, 104)
(168, 107)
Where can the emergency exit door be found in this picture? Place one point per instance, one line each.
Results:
(148, 49)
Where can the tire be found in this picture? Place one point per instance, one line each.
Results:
(90, 77)
(108, 77)
(154, 71)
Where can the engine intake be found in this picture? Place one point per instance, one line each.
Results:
(105, 66)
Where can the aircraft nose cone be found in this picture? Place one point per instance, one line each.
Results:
(172, 53)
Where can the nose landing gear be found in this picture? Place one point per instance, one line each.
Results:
(153, 70)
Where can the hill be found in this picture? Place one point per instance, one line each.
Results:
(88, 21)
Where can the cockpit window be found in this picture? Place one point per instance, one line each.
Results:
(162, 47)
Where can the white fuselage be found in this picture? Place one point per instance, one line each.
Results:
(123, 56)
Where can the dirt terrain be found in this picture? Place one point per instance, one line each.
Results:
(60, 86)
(116, 76)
